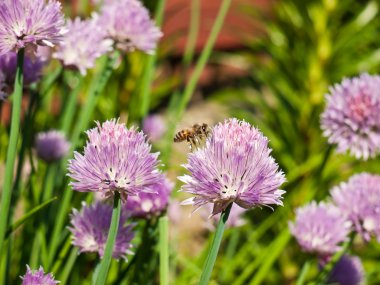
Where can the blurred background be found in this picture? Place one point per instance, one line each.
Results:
(271, 65)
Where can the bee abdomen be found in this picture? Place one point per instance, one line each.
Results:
(179, 137)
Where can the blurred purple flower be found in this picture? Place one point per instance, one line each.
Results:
(32, 69)
(234, 166)
(90, 229)
(352, 116)
(320, 228)
(38, 277)
(175, 213)
(359, 200)
(115, 159)
(26, 24)
(128, 23)
(348, 271)
(154, 127)
(146, 205)
(235, 219)
(44, 53)
(83, 44)
(51, 145)
(8, 65)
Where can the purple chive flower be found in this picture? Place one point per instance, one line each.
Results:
(83, 44)
(26, 24)
(38, 277)
(348, 271)
(359, 200)
(154, 127)
(128, 23)
(115, 159)
(90, 229)
(320, 228)
(234, 166)
(352, 116)
(146, 205)
(51, 145)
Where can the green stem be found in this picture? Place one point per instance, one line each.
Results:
(164, 250)
(213, 253)
(27, 134)
(68, 113)
(49, 80)
(12, 148)
(62, 255)
(326, 271)
(60, 220)
(49, 181)
(97, 86)
(205, 55)
(149, 67)
(302, 275)
(319, 173)
(193, 33)
(106, 261)
(325, 159)
(190, 87)
(68, 266)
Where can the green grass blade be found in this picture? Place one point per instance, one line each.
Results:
(68, 266)
(193, 32)
(149, 68)
(302, 276)
(27, 216)
(271, 257)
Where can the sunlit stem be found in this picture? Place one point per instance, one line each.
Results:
(107, 257)
(164, 250)
(213, 253)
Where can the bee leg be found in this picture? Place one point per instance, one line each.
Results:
(195, 143)
(189, 143)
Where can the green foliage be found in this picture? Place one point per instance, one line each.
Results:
(307, 46)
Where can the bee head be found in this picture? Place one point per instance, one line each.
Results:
(204, 127)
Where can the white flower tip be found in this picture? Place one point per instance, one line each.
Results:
(189, 201)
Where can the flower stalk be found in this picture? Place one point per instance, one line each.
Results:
(164, 250)
(106, 261)
(213, 253)
(12, 148)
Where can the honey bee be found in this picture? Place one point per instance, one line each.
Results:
(195, 136)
